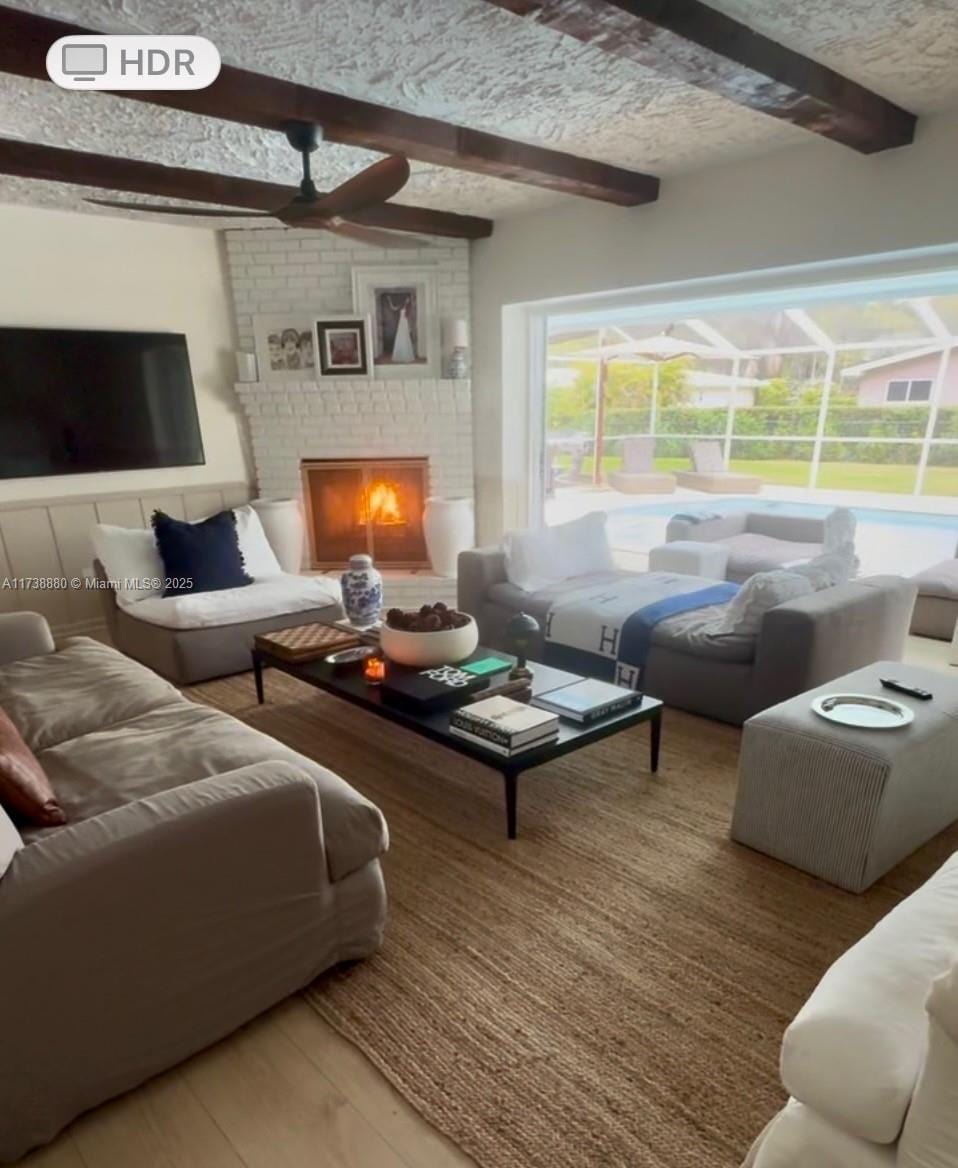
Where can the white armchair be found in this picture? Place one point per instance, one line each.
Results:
(871, 1060)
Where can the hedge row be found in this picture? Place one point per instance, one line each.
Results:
(755, 423)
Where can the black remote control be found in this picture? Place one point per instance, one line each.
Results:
(912, 691)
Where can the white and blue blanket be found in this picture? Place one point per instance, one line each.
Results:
(605, 629)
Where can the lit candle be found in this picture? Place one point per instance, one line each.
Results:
(374, 670)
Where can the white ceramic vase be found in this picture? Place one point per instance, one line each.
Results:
(282, 522)
(362, 591)
(450, 528)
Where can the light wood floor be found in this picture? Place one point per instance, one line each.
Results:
(284, 1092)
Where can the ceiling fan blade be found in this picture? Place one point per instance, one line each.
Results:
(371, 235)
(162, 209)
(375, 184)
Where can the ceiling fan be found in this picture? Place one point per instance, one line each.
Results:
(331, 212)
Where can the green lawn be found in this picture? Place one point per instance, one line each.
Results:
(832, 476)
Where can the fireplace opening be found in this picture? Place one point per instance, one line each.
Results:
(372, 505)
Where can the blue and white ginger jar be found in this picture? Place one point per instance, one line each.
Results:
(362, 591)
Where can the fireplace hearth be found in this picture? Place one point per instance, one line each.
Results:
(372, 505)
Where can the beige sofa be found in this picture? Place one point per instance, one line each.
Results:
(206, 872)
(801, 644)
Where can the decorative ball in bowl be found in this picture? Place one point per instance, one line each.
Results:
(431, 635)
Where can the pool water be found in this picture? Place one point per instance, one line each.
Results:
(896, 542)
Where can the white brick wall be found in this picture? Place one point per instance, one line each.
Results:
(290, 421)
(277, 270)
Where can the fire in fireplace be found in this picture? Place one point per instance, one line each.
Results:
(372, 505)
(382, 503)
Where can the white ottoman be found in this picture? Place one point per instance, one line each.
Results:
(842, 803)
(690, 558)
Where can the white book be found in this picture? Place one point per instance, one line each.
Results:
(503, 718)
(498, 748)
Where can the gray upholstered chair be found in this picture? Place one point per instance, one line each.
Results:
(936, 609)
(757, 541)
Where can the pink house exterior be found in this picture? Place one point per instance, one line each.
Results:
(904, 380)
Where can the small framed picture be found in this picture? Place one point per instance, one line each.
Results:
(400, 302)
(284, 346)
(342, 346)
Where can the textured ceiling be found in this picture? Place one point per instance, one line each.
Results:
(468, 62)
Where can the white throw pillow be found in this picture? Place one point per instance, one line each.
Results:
(130, 558)
(258, 557)
(759, 594)
(10, 841)
(545, 555)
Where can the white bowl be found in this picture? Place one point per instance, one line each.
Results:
(445, 647)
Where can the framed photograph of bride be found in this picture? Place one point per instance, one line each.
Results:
(400, 302)
(342, 347)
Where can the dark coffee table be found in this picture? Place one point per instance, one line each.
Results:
(348, 683)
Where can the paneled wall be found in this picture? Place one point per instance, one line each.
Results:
(52, 538)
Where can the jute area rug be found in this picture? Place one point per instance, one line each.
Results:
(609, 989)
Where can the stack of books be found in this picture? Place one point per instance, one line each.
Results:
(503, 726)
(588, 701)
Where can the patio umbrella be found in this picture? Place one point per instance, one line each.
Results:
(643, 350)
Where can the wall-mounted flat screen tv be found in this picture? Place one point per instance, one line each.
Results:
(74, 402)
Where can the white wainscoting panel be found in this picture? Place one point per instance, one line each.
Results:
(52, 538)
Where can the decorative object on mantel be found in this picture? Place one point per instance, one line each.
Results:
(245, 366)
(342, 346)
(282, 522)
(284, 346)
(521, 631)
(362, 591)
(449, 526)
(457, 342)
(401, 303)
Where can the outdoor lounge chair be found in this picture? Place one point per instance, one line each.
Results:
(710, 474)
(638, 475)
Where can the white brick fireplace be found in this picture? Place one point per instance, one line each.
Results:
(296, 421)
(275, 270)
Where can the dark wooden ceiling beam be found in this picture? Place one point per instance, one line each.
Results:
(688, 41)
(254, 99)
(30, 160)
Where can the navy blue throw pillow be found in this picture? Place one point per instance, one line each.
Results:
(200, 557)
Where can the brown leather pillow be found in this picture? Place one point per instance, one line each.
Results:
(25, 790)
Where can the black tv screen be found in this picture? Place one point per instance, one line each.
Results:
(74, 402)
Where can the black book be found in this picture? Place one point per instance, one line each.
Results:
(441, 687)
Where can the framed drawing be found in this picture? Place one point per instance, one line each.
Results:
(401, 305)
(284, 346)
(342, 347)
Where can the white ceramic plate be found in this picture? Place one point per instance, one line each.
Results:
(864, 710)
